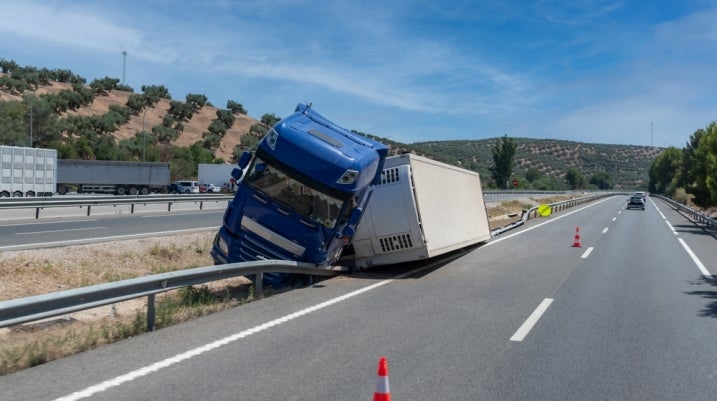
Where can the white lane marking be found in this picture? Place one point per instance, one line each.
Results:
(46, 222)
(604, 230)
(61, 231)
(129, 376)
(695, 259)
(102, 239)
(495, 241)
(181, 214)
(659, 211)
(587, 253)
(671, 228)
(614, 218)
(532, 320)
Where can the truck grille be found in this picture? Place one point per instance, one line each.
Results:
(389, 175)
(252, 247)
(392, 243)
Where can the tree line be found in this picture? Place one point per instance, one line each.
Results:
(690, 172)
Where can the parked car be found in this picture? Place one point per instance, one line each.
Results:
(211, 188)
(636, 202)
(173, 188)
(202, 188)
(188, 187)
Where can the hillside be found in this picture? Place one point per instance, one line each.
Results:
(626, 165)
(193, 128)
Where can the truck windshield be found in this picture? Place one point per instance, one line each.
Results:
(306, 201)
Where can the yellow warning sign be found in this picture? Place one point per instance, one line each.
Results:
(544, 210)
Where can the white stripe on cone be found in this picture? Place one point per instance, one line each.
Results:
(383, 392)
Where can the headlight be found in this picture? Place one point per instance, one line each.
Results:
(349, 177)
(223, 245)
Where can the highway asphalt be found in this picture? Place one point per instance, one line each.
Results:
(629, 314)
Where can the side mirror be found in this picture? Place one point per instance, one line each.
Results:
(355, 216)
(348, 232)
(237, 174)
(244, 160)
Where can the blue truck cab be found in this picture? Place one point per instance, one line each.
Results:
(300, 194)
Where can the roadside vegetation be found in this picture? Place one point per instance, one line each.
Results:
(689, 175)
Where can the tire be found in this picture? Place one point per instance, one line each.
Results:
(121, 191)
(144, 191)
(62, 190)
(133, 191)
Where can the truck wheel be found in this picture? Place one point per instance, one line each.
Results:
(133, 191)
(62, 190)
(144, 191)
(121, 191)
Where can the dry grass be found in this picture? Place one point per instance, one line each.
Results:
(27, 273)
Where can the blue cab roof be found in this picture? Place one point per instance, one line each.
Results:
(320, 149)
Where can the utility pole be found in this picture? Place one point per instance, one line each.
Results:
(651, 134)
(124, 63)
(31, 122)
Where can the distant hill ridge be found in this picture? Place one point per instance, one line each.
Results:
(626, 165)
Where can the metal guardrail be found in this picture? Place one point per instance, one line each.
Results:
(23, 310)
(490, 192)
(555, 207)
(42, 203)
(692, 214)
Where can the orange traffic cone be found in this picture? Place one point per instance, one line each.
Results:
(382, 392)
(576, 243)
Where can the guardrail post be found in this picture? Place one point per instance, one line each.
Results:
(169, 206)
(201, 203)
(88, 210)
(131, 209)
(150, 312)
(258, 291)
(37, 212)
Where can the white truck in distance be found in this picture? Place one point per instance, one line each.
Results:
(421, 209)
(27, 171)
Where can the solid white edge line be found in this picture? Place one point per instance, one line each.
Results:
(102, 239)
(129, 376)
(604, 230)
(60, 231)
(495, 241)
(671, 228)
(695, 259)
(587, 253)
(532, 320)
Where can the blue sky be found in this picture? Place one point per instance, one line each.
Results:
(598, 71)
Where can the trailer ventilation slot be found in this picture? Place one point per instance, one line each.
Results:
(395, 242)
(389, 175)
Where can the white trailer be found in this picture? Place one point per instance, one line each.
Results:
(27, 171)
(421, 209)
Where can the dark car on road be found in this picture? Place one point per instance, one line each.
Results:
(173, 188)
(636, 202)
